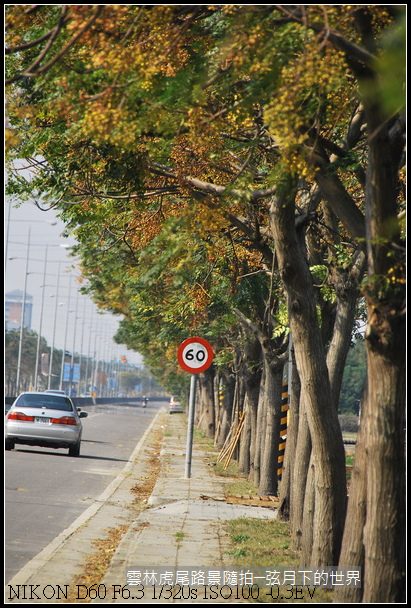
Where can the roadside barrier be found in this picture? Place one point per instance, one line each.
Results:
(283, 430)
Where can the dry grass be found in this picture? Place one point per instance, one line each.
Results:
(257, 543)
(97, 563)
(260, 543)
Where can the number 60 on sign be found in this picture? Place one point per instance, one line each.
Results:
(195, 355)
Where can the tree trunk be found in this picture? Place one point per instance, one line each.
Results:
(308, 518)
(206, 413)
(289, 480)
(252, 370)
(272, 404)
(226, 399)
(245, 441)
(384, 532)
(265, 457)
(328, 454)
(260, 431)
(300, 474)
(347, 289)
(253, 415)
(352, 550)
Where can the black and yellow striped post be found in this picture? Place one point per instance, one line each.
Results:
(283, 429)
(221, 395)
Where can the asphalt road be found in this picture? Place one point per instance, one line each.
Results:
(46, 490)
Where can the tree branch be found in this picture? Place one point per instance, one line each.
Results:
(33, 70)
(352, 50)
(247, 323)
(29, 45)
(210, 188)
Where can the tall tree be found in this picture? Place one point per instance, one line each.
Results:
(328, 457)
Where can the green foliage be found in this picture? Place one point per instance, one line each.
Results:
(353, 379)
(149, 99)
(28, 359)
(320, 275)
(391, 66)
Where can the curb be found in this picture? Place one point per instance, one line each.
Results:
(45, 555)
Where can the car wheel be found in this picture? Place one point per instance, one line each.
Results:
(74, 450)
(9, 444)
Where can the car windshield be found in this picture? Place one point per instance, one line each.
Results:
(51, 402)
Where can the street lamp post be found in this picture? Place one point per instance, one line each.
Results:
(65, 340)
(54, 328)
(36, 371)
(51, 223)
(23, 309)
(81, 347)
(72, 350)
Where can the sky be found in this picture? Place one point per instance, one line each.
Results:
(37, 255)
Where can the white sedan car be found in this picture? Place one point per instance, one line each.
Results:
(175, 406)
(44, 419)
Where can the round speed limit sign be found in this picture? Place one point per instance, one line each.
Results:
(195, 355)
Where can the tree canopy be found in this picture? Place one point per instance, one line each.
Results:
(139, 122)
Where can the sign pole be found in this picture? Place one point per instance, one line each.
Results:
(195, 355)
(190, 426)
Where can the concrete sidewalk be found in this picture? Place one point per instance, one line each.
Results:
(181, 530)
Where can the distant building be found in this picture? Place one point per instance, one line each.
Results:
(13, 307)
